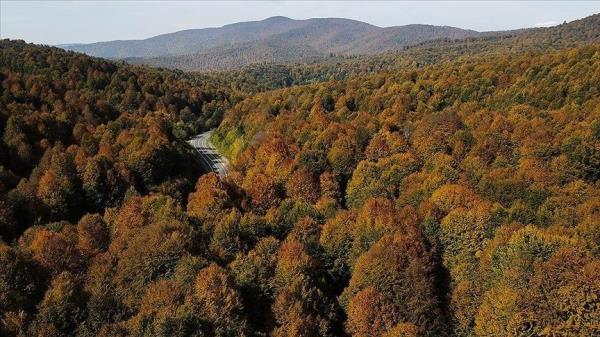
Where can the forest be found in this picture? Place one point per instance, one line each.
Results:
(458, 196)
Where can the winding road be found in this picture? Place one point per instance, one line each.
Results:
(209, 156)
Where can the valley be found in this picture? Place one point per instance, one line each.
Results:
(300, 178)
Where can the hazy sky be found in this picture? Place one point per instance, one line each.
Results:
(55, 22)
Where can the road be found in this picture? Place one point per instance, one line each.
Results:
(209, 156)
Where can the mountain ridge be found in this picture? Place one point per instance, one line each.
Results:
(328, 35)
(283, 40)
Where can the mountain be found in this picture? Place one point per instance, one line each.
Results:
(276, 39)
(297, 65)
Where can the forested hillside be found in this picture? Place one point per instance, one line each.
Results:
(460, 199)
(269, 76)
(436, 194)
(79, 134)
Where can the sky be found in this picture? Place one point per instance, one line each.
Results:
(59, 22)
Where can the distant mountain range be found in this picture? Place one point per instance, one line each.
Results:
(283, 40)
(276, 39)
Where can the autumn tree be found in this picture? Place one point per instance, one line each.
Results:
(209, 199)
(303, 185)
(21, 284)
(216, 298)
(92, 234)
(62, 309)
(369, 314)
(400, 268)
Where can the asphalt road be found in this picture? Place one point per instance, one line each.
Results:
(209, 156)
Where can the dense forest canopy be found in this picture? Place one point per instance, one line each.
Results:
(439, 196)
(490, 168)
(79, 132)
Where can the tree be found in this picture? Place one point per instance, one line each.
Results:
(56, 251)
(569, 281)
(507, 307)
(369, 314)
(342, 156)
(216, 299)
(329, 185)
(226, 241)
(92, 234)
(293, 261)
(262, 192)
(253, 274)
(164, 312)
(300, 310)
(209, 199)
(384, 144)
(375, 219)
(400, 268)
(101, 184)
(336, 241)
(20, 281)
(380, 179)
(150, 235)
(464, 232)
(58, 186)
(451, 196)
(303, 185)
(433, 132)
(288, 214)
(62, 309)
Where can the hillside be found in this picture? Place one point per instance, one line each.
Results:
(457, 199)
(268, 76)
(79, 132)
(276, 39)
